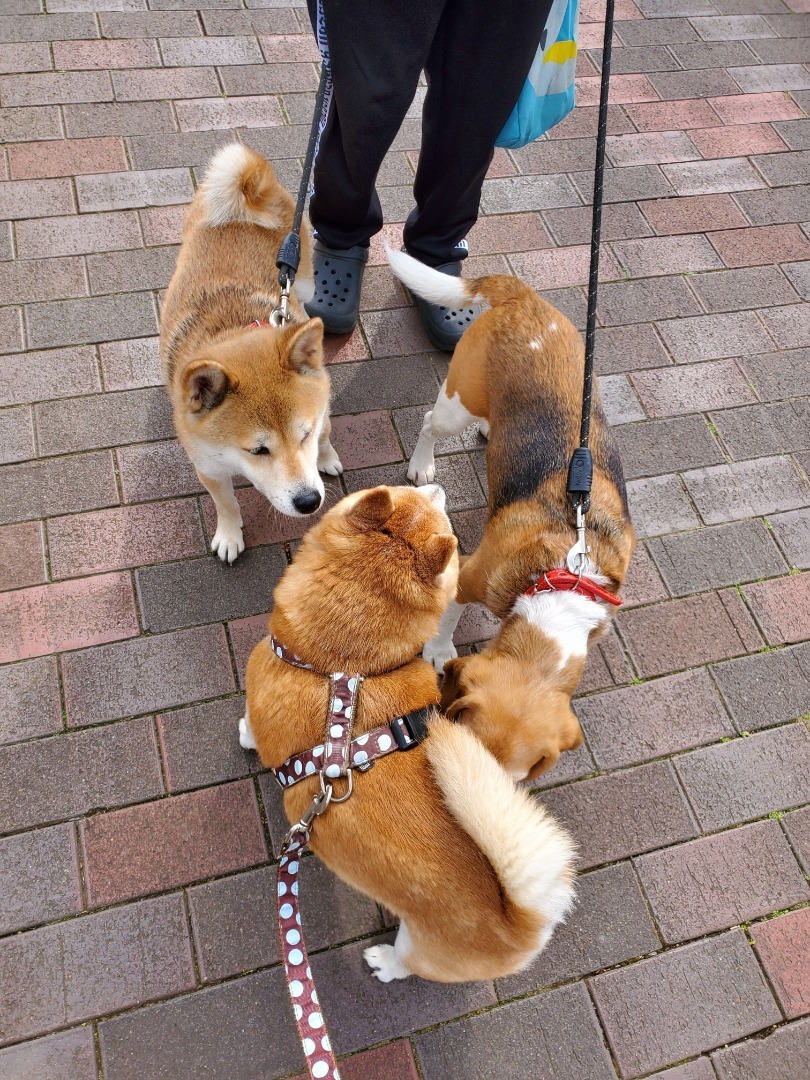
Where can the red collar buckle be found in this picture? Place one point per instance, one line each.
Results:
(565, 581)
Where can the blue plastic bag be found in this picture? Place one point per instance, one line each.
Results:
(548, 93)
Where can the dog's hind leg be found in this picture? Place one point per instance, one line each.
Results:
(227, 541)
(447, 417)
(387, 962)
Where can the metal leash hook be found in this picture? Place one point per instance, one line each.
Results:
(577, 559)
(280, 315)
(302, 827)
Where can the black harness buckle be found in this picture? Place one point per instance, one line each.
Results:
(411, 729)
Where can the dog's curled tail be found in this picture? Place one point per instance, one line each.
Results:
(240, 185)
(450, 291)
(530, 853)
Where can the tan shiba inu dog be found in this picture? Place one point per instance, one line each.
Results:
(248, 398)
(475, 869)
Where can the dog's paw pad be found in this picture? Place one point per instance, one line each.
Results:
(228, 543)
(246, 740)
(384, 963)
(329, 462)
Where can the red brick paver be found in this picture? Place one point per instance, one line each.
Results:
(124, 641)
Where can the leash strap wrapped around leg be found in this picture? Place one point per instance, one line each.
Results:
(303, 995)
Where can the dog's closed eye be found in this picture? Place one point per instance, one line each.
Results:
(258, 450)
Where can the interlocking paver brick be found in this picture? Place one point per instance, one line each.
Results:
(170, 842)
(710, 558)
(782, 1055)
(164, 225)
(661, 1010)
(149, 673)
(709, 337)
(572, 225)
(22, 555)
(394, 1061)
(752, 287)
(778, 943)
(626, 184)
(204, 52)
(68, 1055)
(11, 331)
(22, 124)
(100, 55)
(42, 488)
(721, 880)
(42, 279)
(29, 699)
(247, 22)
(39, 877)
(774, 76)
(636, 723)
(737, 141)
(94, 965)
(156, 470)
(632, 59)
(122, 191)
(789, 326)
(762, 430)
(746, 489)
(123, 537)
(658, 32)
(77, 235)
(693, 213)
(788, 168)
(797, 826)
(365, 439)
(205, 114)
(513, 1041)
(799, 276)
(52, 779)
(268, 79)
(131, 270)
(696, 388)
(36, 376)
(712, 177)
(513, 194)
(659, 505)
(663, 446)
(130, 364)
(766, 244)
(682, 633)
(89, 423)
(232, 931)
(671, 115)
(36, 27)
(455, 472)
(656, 256)
(709, 54)
(561, 155)
(644, 300)
(200, 745)
(69, 615)
(697, 1069)
(776, 206)
(642, 584)
(16, 435)
(796, 133)
(79, 322)
(157, 84)
(627, 812)
(609, 925)
(619, 400)
(53, 88)
(383, 384)
(748, 777)
(628, 348)
(144, 24)
(32, 56)
(734, 27)
(182, 1037)
(782, 607)
(118, 118)
(792, 530)
(681, 85)
(190, 593)
(766, 689)
(35, 198)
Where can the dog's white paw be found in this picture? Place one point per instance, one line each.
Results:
(483, 427)
(384, 963)
(246, 740)
(228, 541)
(438, 652)
(329, 462)
(422, 472)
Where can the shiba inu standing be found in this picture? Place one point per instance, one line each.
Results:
(249, 398)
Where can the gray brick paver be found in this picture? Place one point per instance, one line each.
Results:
(704, 349)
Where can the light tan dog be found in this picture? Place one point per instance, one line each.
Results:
(248, 399)
(478, 873)
(517, 373)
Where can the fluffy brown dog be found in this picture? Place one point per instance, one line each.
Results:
(248, 398)
(474, 868)
(517, 372)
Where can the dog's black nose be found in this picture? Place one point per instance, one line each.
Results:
(307, 502)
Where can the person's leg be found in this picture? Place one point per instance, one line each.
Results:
(377, 49)
(478, 62)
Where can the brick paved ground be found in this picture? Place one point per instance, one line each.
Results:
(137, 864)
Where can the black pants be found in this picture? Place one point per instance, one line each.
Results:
(476, 55)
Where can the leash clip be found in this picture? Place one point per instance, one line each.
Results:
(302, 827)
(577, 559)
(281, 314)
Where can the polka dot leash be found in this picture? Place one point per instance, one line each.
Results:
(303, 995)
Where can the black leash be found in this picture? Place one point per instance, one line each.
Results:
(580, 471)
(289, 254)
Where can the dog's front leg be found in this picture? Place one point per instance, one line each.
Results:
(441, 648)
(328, 460)
(228, 541)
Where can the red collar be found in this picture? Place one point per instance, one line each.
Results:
(565, 581)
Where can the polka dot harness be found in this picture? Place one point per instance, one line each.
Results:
(336, 757)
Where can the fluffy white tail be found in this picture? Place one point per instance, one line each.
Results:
(240, 185)
(530, 853)
(450, 291)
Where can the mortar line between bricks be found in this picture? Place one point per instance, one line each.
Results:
(764, 973)
(602, 1029)
(195, 959)
(83, 888)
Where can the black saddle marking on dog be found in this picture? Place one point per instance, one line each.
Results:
(531, 441)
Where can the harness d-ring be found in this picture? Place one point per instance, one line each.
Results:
(330, 786)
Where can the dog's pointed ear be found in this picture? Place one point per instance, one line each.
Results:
(373, 510)
(305, 347)
(451, 684)
(434, 555)
(206, 384)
